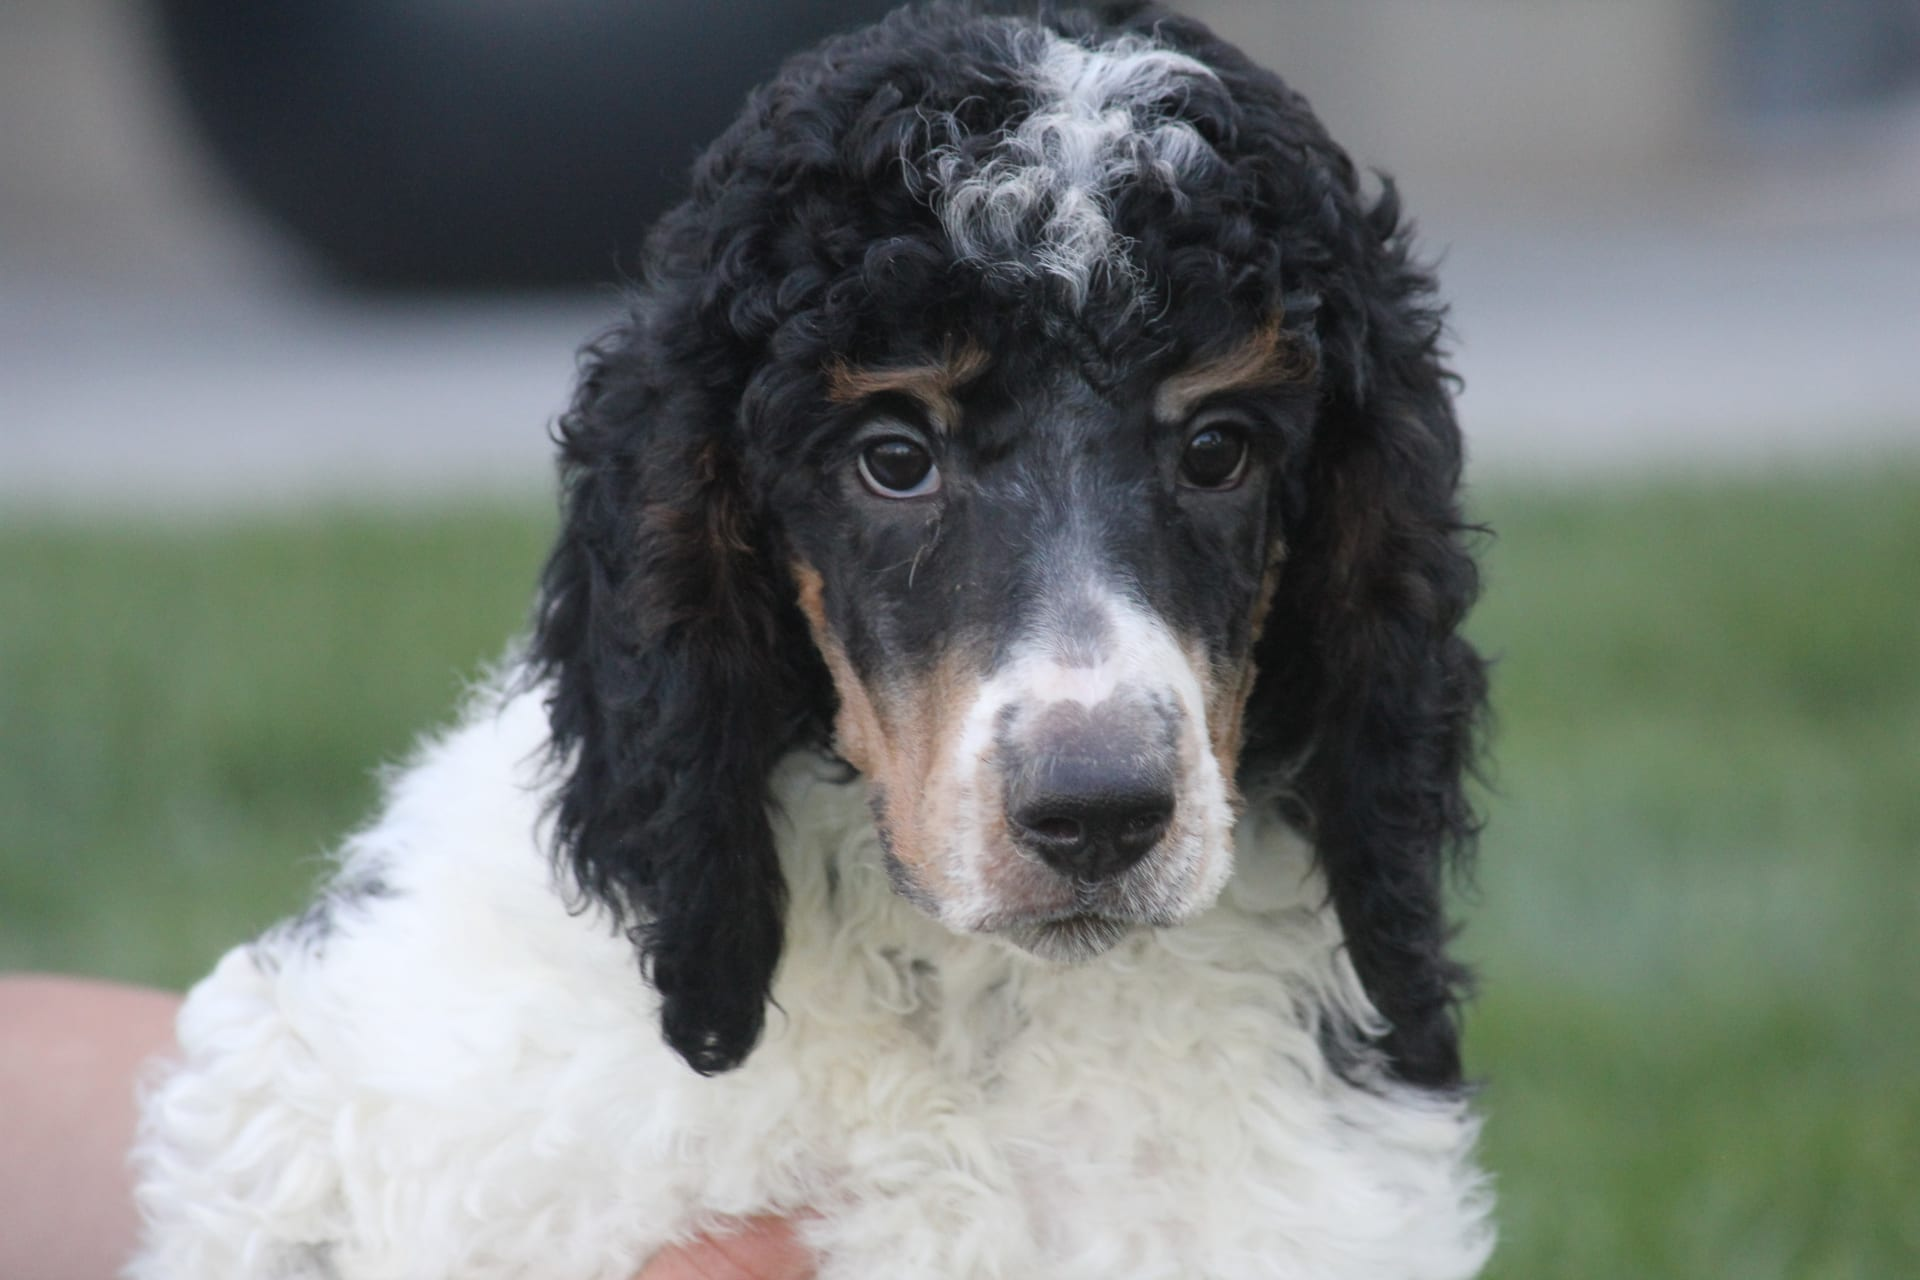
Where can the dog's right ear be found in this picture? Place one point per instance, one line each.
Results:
(666, 641)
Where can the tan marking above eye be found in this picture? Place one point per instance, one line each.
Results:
(1270, 357)
(936, 384)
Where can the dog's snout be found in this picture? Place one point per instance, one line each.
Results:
(1090, 813)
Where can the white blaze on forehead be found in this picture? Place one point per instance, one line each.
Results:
(1136, 651)
(1037, 203)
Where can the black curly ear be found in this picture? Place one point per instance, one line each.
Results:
(667, 646)
(1362, 656)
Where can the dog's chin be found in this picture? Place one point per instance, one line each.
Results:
(1071, 939)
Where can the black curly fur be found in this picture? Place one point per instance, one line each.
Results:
(679, 666)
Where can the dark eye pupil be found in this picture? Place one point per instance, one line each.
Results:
(1213, 457)
(897, 464)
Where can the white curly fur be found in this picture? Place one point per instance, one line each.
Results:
(456, 1078)
(1037, 203)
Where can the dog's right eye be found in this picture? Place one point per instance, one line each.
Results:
(897, 467)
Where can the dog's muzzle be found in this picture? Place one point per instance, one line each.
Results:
(1090, 791)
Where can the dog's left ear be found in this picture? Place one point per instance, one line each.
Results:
(1365, 680)
(667, 640)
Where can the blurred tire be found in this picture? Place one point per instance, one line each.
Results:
(486, 143)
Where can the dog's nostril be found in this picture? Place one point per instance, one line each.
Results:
(1061, 830)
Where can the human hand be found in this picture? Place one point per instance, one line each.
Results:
(763, 1248)
(69, 1053)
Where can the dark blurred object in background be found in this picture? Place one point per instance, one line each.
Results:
(1838, 55)
(422, 143)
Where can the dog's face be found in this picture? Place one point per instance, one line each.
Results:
(1033, 531)
(1037, 584)
(1041, 411)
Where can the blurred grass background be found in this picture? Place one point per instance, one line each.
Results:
(1697, 916)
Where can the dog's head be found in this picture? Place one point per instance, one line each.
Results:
(1041, 410)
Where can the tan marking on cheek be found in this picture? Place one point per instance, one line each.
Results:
(1270, 358)
(1227, 719)
(857, 730)
(1223, 695)
(1227, 690)
(893, 735)
(924, 784)
(1269, 584)
(936, 385)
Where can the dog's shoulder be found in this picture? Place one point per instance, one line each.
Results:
(458, 846)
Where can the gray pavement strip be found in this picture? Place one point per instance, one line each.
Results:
(1580, 355)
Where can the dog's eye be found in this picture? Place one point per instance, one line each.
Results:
(1215, 457)
(897, 467)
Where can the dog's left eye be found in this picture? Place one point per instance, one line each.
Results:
(1215, 456)
(898, 467)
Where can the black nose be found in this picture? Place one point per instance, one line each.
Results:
(1090, 815)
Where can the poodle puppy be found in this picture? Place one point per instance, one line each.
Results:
(999, 677)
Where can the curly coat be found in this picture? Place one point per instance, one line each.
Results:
(682, 672)
(1017, 522)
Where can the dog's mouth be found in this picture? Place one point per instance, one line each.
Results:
(1070, 937)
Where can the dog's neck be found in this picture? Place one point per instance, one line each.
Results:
(1272, 940)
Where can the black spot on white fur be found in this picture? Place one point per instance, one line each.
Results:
(344, 898)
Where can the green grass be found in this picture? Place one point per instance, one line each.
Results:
(190, 717)
(1697, 916)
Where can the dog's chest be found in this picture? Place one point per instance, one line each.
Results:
(1141, 1117)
